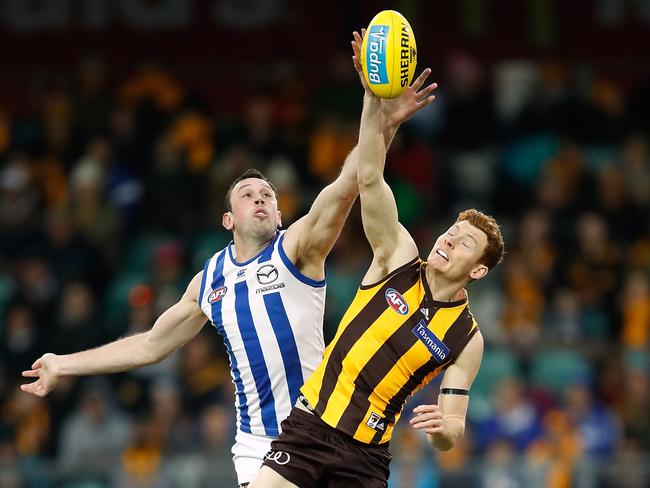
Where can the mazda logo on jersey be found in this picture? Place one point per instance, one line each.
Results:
(217, 294)
(396, 301)
(267, 274)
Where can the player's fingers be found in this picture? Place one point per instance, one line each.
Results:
(427, 424)
(356, 48)
(32, 388)
(419, 81)
(425, 408)
(37, 364)
(435, 430)
(363, 33)
(425, 102)
(426, 416)
(357, 37)
(32, 373)
(424, 92)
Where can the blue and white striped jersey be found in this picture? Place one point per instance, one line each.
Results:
(271, 318)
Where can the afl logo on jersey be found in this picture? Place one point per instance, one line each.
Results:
(267, 274)
(397, 301)
(217, 294)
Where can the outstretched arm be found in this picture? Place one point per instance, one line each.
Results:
(445, 423)
(309, 240)
(391, 244)
(173, 328)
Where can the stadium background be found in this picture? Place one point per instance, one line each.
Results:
(123, 122)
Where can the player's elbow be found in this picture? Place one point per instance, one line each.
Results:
(152, 351)
(368, 178)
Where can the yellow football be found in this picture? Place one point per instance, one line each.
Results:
(388, 54)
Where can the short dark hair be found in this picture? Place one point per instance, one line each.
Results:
(493, 253)
(249, 173)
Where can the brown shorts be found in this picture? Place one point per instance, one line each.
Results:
(310, 454)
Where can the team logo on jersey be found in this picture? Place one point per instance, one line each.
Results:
(396, 301)
(217, 294)
(267, 274)
(279, 457)
(376, 422)
(241, 272)
(437, 348)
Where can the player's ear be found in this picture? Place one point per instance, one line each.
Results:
(279, 219)
(478, 272)
(228, 221)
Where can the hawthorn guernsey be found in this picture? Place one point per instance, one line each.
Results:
(388, 54)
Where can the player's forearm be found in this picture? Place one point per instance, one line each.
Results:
(346, 189)
(121, 355)
(389, 129)
(445, 440)
(372, 146)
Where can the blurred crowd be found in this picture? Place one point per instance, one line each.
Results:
(111, 195)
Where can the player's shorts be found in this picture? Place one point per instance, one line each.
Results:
(310, 453)
(248, 454)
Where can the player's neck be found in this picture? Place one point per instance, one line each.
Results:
(249, 247)
(443, 290)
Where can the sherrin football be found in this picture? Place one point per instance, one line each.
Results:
(388, 54)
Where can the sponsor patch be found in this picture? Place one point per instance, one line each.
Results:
(396, 301)
(267, 274)
(274, 286)
(217, 294)
(376, 54)
(278, 457)
(437, 348)
(376, 422)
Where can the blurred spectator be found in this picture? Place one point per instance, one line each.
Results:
(635, 304)
(92, 100)
(142, 459)
(22, 342)
(515, 421)
(501, 468)
(635, 162)
(635, 407)
(595, 423)
(415, 467)
(216, 427)
(76, 322)
(19, 198)
(93, 437)
(177, 432)
(204, 376)
(70, 253)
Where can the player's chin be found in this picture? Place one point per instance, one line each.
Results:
(266, 228)
(438, 264)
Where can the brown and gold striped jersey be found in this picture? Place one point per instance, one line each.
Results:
(393, 339)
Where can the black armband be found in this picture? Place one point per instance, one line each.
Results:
(454, 391)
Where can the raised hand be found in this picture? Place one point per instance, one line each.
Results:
(356, 58)
(398, 110)
(46, 371)
(428, 418)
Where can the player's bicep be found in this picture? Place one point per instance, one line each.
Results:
(314, 234)
(179, 323)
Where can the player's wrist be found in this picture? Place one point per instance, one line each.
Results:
(441, 441)
(389, 125)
